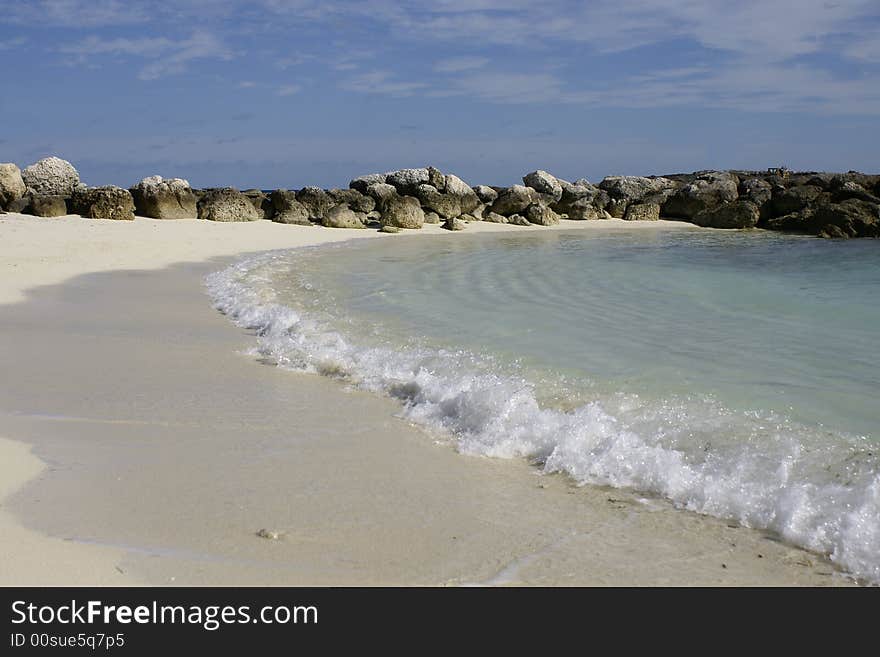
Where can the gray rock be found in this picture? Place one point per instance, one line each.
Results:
(756, 190)
(518, 220)
(642, 212)
(454, 223)
(51, 176)
(495, 218)
(436, 179)
(403, 212)
(389, 229)
(466, 196)
(406, 180)
(287, 210)
(738, 214)
(432, 218)
(853, 217)
(47, 206)
(260, 201)
(342, 216)
(316, 201)
(446, 205)
(794, 199)
(227, 204)
(513, 200)
(354, 199)
(634, 189)
(380, 191)
(544, 183)
(107, 202)
(617, 207)
(700, 195)
(362, 182)
(160, 198)
(850, 189)
(12, 187)
(538, 213)
(485, 193)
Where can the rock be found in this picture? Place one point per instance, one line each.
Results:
(577, 200)
(545, 184)
(354, 199)
(160, 198)
(432, 218)
(47, 206)
(702, 194)
(380, 191)
(51, 176)
(460, 190)
(642, 212)
(540, 214)
(389, 229)
(849, 189)
(260, 201)
(316, 201)
(405, 181)
(12, 187)
(853, 217)
(513, 200)
(287, 210)
(445, 205)
(833, 232)
(634, 189)
(617, 207)
(362, 182)
(604, 214)
(402, 212)
(756, 190)
(468, 218)
(794, 199)
(454, 223)
(518, 220)
(485, 193)
(107, 202)
(494, 218)
(738, 214)
(436, 179)
(342, 216)
(227, 204)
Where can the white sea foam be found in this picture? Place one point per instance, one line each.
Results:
(814, 489)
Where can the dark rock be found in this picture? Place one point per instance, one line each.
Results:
(545, 184)
(460, 190)
(402, 212)
(159, 198)
(738, 214)
(454, 223)
(793, 199)
(642, 212)
(702, 194)
(354, 199)
(227, 205)
(436, 179)
(107, 202)
(342, 216)
(362, 182)
(538, 213)
(380, 191)
(445, 205)
(513, 200)
(485, 193)
(316, 201)
(287, 210)
(260, 201)
(47, 206)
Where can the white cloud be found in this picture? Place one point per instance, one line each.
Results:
(288, 89)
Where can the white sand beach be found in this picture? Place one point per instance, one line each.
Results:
(140, 445)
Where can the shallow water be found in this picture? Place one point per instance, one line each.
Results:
(735, 373)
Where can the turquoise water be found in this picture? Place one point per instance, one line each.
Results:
(735, 373)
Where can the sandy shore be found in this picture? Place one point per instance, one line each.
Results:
(139, 445)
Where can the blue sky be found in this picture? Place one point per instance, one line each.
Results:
(274, 93)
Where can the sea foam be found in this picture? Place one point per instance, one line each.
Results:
(814, 490)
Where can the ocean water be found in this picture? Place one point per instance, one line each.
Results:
(736, 374)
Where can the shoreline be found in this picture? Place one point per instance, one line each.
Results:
(70, 256)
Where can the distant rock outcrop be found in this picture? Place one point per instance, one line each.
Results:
(227, 204)
(164, 198)
(12, 187)
(287, 210)
(51, 176)
(108, 202)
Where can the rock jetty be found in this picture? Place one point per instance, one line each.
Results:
(833, 205)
